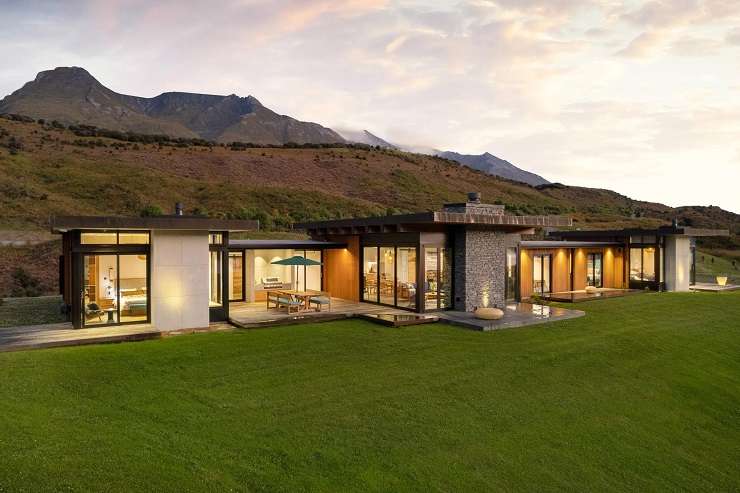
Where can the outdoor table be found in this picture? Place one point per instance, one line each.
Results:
(304, 296)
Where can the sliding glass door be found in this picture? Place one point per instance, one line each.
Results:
(437, 278)
(542, 273)
(389, 275)
(115, 289)
(594, 270)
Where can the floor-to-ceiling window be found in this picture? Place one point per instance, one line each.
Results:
(594, 270)
(541, 273)
(100, 289)
(511, 273)
(370, 274)
(236, 276)
(389, 275)
(309, 276)
(215, 295)
(132, 282)
(115, 284)
(386, 281)
(406, 276)
(642, 264)
(437, 277)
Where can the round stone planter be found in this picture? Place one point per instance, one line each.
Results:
(489, 313)
(591, 289)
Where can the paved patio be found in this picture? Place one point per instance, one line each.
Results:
(715, 288)
(515, 315)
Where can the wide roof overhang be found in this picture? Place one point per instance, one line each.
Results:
(61, 224)
(661, 231)
(531, 244)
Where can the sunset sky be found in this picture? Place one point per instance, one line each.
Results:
(638, 97)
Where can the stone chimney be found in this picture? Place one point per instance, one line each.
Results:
(474, 206)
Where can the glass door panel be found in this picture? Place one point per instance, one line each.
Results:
(387, 278)
(313, 272)
(445, 278)
(593, 270)
(541, 272)
(370, 274)
(236, 276)
(215, 296)
(100, 291)
(133, 288)
(406, 277)
(511, 273)
(431, 278)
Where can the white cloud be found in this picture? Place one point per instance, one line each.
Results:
(533, 81)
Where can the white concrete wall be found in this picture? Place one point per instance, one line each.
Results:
(677, 263)
(179, 283)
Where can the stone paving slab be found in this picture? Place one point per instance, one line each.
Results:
(515, 315)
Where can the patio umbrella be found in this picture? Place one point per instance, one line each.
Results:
(296, 261)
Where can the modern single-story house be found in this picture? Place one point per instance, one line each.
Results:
(179, 272)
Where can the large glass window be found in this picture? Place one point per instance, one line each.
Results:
(642, 264)
(133, 238)
(431, 278)
(437, 278)
(406, 277)
(113, 238)
(370, 274)
(541, 273)
(445, 278)
(648, 264)
(133, 287)
(309, 276)
(115, 288)
(98, 238)
(100, 290)
(593, 270)
(215, 286)
(236, 276)
(386, 284)
(511, 273)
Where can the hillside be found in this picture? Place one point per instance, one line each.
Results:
(45, 170)
(72, 96)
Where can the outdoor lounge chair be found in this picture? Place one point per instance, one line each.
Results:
(289, 302)
(320, 302)
(93, 310)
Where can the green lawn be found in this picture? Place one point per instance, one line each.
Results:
(642, 394)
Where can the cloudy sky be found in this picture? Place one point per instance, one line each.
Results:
(642, 97)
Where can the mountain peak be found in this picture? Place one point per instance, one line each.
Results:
(72, 95)
(64, 73)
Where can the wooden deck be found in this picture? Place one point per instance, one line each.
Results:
(63, 334)
(251, 315)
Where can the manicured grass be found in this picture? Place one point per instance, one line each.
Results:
(30, 311)
(641, 394)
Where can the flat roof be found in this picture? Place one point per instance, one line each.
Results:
(661, 231)
(294, 244)
(60, 224)
(567, 244)
(491, 221)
